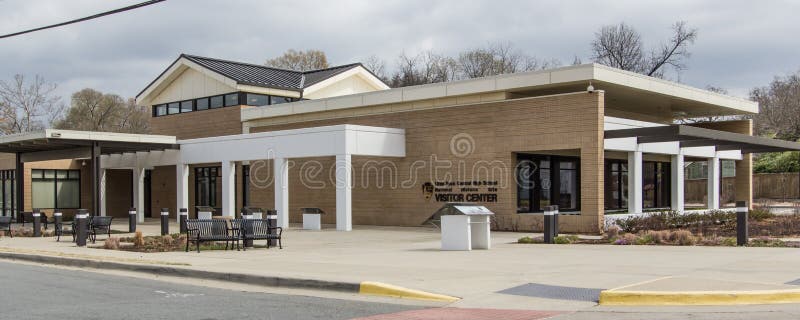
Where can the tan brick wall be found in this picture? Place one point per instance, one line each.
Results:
(499, 129)
(199, 124)
(743, 183)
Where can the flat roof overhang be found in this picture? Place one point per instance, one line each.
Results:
(689, 136)
(55, 141)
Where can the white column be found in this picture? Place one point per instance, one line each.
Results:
(138, 193)
(103, 195)
(229, 188)
(182, 188)
(677, 183)
(713, 183)
(344, 193)
(635, 189)
(281, 171)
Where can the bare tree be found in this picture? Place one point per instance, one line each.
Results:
(27, 106)
(377, 66)
(92, 110)
(498, 58)
(426, 67)
(714, 89)
(300, 60)
(779, 105)
(620, 46)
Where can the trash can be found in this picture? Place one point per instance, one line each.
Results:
(204, 212)
(464, 226)
(312, 218)
(272, 222)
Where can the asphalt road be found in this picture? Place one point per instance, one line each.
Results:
(36, 292)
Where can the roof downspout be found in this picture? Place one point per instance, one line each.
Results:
(302, 85)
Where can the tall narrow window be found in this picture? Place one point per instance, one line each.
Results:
(7, 201)
(616, 186)
(205, 182)
(246, 185)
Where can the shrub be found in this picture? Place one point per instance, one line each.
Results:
(111, 243)
(566, 239)
(525, 239)
(645, 239)
(138, 239)
(612, 232)
(658, 236)
(682, 237)
(625, 239)
(729, 242)
(760, 214)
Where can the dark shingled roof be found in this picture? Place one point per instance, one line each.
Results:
(262, 76)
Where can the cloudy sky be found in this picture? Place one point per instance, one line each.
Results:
(741, 44)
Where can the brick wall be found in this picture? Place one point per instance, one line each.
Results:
(199, 124)
(565, 123)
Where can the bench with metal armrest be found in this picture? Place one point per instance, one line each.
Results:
(258, 229)
(211, 230)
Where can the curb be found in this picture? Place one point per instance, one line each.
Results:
(365, 288)
(686, 298)
(388, 290)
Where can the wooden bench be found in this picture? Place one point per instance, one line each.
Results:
(200, 230)
(257, 229)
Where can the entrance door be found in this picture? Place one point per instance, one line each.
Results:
(545, 180)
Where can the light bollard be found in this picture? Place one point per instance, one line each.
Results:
(80, 229)
(554, 208)
(37, 224)
(272, 223)
(164, 221)
(247, 228)
(132, 216)
(741, 223)
(58, 218)
(184, 214)
(548, 225)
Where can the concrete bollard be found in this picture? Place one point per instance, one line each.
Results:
(164, 221)
(555, 220)
(741, 223)
(184, 214)
(132, 217)
(80, 229)
(548, 225)
(272, 222)
(37, 224)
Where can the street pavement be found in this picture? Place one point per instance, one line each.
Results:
(36, 292)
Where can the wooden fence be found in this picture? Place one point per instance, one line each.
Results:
(765, 186)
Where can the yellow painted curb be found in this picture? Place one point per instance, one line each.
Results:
(685, 298)
(383, 289)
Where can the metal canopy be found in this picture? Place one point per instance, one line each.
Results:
(62, 140)
(689, 136)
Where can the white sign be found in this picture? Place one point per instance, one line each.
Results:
(474, 210)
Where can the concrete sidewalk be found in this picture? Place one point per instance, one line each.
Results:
(509, 276)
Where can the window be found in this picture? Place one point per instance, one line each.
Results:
(279, 100)
(56, 189)
(205, 186)
(186, 106)
(656, 184)
(202, 104)
(161, 110)
(245, 185)
(231, 99)
(545, 180)
(216, 102)
(616, 184)
(173, 108)
(7, 194)
(257, 99)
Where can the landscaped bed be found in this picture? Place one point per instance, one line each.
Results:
(715, 228)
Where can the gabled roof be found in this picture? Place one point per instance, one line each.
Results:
(263, 76)
(235, 74)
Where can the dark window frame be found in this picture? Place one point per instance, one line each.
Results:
(241, 97)
(55, 179)
(555, 178)
(214, 176)
(8, 205)
(245, 185)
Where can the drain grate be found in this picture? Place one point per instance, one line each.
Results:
(554, 292)
(795, 282)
